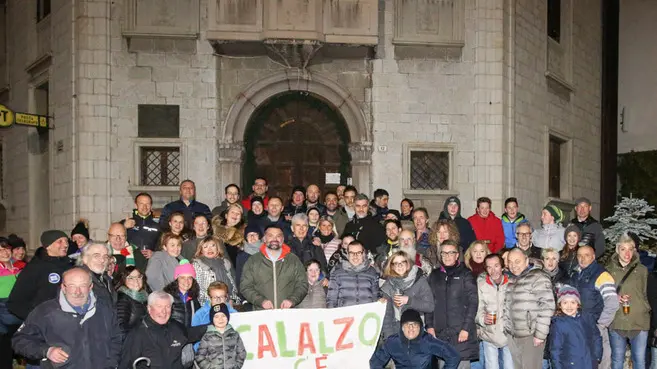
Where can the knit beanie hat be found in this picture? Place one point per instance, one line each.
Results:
(81, 228)
(253, 228)
(573, 228)
(219, 308)
(255, 199)
(184, 268)
(555, 212)
(299, 189)
(410, 315)
(50, 236)
(567, 292)
(15, 241)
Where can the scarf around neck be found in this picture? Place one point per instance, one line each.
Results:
(139, 296)
(398, 285)
(252, 248)
(325, 239)
(217, 266)
(346, 265)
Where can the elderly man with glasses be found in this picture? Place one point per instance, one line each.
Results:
(94, 259)
(125, 253)
(524, 243)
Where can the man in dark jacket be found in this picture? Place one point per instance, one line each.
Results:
(74, 330)
(297, 203)
(413, 348)
(232, 194)
(588, 224)
(275, 217)
(452, 210)
(158, 337)
(379, 205)
(456, 302)
(94, 259)
(40, 279)
(302, 246)
(363, 227)
(393, 229)
(126, 254)
(312, 199)
(186, 205)
(143, 231)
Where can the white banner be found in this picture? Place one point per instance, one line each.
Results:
(310, 338)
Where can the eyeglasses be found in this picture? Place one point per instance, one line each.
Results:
(357, 253)
(401, 263)
(524, 234)
(135, 278)
(448, 253)
(412, 325)
(73, 287)
(117, 236)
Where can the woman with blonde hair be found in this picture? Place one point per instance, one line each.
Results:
(326, 237)
(441, 230)
(406, 287)
(474, 257)
(163, 263)
(211, 265)
(230, 230)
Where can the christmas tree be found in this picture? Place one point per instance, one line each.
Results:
(631, 216)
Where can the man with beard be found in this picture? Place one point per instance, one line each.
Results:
(289, 287)
(312, 198)
(407, 244)
(330, 204)
(232, 194)
(452, 210)
(95, 258)
(347, 212)
(391, 245)
(364, 227)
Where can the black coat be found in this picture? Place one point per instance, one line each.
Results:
(456, 301)
(145, 234)
(129, 312)
(102, 287)
(194, 208)
(366, 230)
(162, 344)
(38, 282)
(305, 250)
(182, 311)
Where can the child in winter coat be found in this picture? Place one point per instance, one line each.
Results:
(221, 346)
(575, 340)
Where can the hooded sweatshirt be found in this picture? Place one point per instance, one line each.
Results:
(466, 232)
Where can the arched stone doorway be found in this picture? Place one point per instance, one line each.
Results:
(296, 138)
(231, 146)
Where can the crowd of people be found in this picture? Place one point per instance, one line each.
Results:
(482, 292)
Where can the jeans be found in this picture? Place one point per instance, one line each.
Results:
(479, 364)
(546, 364)
(492, 356)
(638, 346)
(653, 363)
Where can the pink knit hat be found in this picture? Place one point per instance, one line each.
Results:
(184, 269)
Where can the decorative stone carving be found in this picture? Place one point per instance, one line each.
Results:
(429, 22)
(162, 18)
(361, 153)
(230, 152)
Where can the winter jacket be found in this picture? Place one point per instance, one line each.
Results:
(160, 270)
(146, 232)
(533, 252)
(414, 354)
(129, 312)
(592, 226)
(352, 285)
(382, 254)
(280, 223)
(102, 287)
(163, 344)
(575, 342)
(189, 248)
(466, 233)
(636, 285)
(38, 282)
(422, 244)
(597, 291)
(189, 211)
(246, 203)
(202, 317)
(316, 297)
(92, 340)
(291, 210)
(263, 279)
(305, 250)
(570, 264)
(509, 227)
(455, 299)
(420, 298)
(121, 257)
(8, 276)
(491, 298)
(529, 304)
(329, 248)
(205, 276)
(219, 209)
(182, 311)
(341, 218)
(549, 236)
(366, 230)
(489, 229)
(221, 350)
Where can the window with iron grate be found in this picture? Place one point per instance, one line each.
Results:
(429, 170)
(160, 166)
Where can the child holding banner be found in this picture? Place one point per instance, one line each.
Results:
(221, 346)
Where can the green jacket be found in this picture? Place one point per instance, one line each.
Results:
(264, 280)
(636, 286)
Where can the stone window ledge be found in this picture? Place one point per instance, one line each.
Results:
(559, 80)
(180, 36)
(159, 190)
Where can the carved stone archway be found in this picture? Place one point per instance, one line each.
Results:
(231, 134)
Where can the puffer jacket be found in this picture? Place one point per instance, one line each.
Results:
(129, 312)
(182, 311)
(549, 236)
(420, 298)
(529, 304)
(264, 280)
(316, 297)
(455, 299)
(491, 298)
(221, 350)
(575, 342)
(351, 285)
(509, 227)
(636, 285)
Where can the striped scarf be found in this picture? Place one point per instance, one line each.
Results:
(128, 252)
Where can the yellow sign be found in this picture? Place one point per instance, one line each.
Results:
(8, 117)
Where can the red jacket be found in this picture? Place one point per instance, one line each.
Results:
(489, 229)
(246, 203)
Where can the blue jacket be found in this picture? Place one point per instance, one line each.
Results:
(509, 226)
(202, 317)
(190, 211)
(584, 281)
(414, 354)
(575, 342)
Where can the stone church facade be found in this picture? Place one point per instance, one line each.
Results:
(425, 98)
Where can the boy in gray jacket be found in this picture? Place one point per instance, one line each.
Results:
(221, 346)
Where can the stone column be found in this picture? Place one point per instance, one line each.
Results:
(230, 157)
(361, 166)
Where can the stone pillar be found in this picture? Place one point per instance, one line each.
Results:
(361, 166)
(230, 157)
